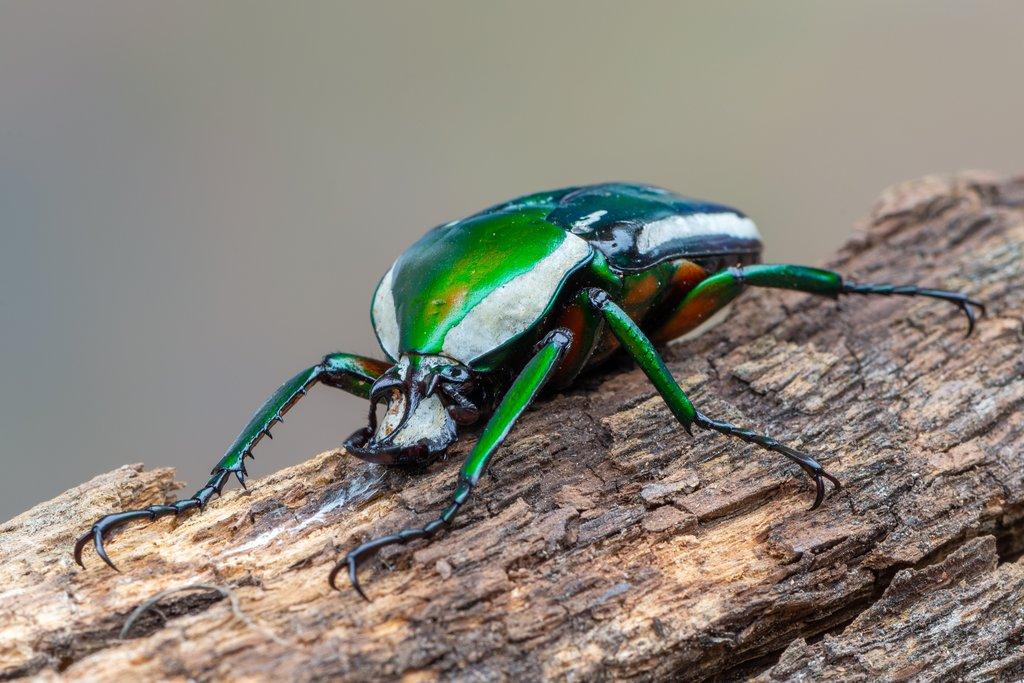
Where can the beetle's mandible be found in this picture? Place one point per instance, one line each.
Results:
(482, 314)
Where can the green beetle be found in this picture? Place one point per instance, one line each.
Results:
(481, 314)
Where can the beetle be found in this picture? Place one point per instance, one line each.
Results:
(483, 313)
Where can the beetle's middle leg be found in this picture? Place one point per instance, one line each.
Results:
(519, 396)
(642, 350)
(354, 374)
(713, 293)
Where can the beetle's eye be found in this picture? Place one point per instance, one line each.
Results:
(454, 373)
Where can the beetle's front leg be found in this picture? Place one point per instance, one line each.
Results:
(354, 374)
(646, 356)
(519, 396)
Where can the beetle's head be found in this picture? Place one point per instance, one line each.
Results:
(426, 398)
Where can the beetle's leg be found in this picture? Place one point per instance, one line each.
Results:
(354, 374)
(715, 292)
(522, 392)
(646, 356)
(962, 301)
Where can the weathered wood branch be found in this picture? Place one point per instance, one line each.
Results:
(959, 619)
(609, 544)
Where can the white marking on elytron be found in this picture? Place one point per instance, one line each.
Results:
(582, 224)
(716, 318)
(429, 423)
(514, 306)
(364, 485)
(655, 234)
(385, 321)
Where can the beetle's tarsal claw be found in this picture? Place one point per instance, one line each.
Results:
(82, 540)
(105, 525)
(819, 494)
(372, 547)
(100, 550)
(968, 306)
(820, 475)
(962, 301)
(807, 463)
(351, 562)
(970, 319)
(334, 574)
(353, 577)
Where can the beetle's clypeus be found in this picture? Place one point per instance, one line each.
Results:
(481, 314)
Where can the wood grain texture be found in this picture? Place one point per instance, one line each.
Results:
(959, 619)
(608, 544)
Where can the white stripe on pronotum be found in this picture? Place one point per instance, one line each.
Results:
(385, 322)
(513, 307)
(655, 234)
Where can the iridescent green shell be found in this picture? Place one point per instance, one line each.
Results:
(472, 288)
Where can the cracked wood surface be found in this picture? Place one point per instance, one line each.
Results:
(609, 544)
(960, 619)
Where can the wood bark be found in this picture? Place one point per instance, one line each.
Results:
(609, 544)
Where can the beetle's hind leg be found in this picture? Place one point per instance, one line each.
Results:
(350, 373)
(640, 348)
(962, 301)
(807, 463)
(716, 291)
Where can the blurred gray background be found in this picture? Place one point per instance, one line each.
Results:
(197, 199)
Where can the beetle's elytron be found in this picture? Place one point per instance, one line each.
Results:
(481, 314)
